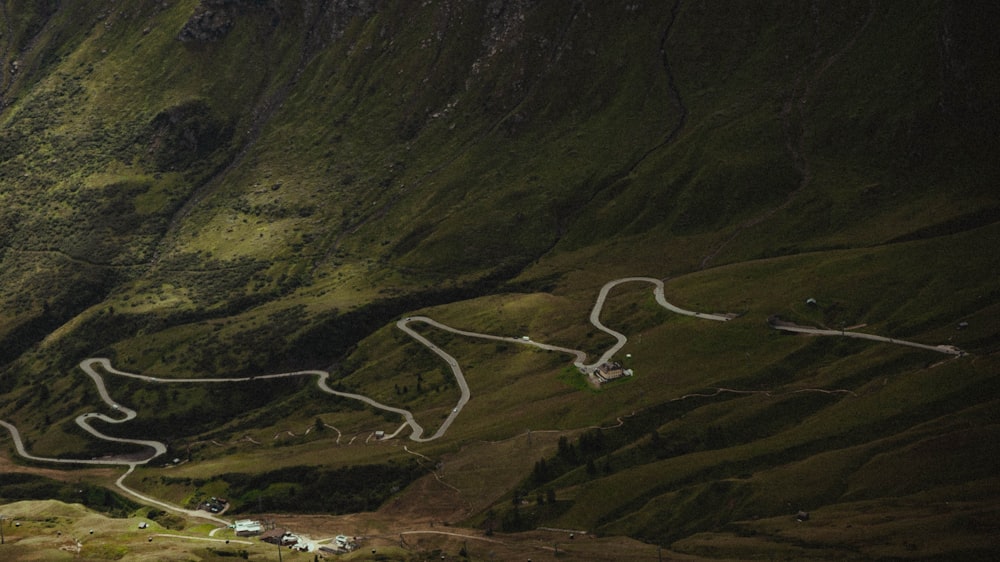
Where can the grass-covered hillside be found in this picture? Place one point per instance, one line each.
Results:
(233, 188)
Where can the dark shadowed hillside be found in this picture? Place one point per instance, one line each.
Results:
(235, 188)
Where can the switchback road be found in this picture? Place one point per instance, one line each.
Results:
(90, 367)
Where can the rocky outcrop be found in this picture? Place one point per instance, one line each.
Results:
(333, 18)
(185, 134)
(212, 20)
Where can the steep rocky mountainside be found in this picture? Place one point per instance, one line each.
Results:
(224, 187)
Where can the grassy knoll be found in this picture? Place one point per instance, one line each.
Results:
(52, 530)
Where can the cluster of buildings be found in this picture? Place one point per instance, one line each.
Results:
(269, 533)
(281, 537)
(214, 505)
(341, 544)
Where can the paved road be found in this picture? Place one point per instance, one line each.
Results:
(170, 507)
(417, 432)
(621, 340)
(90, 367)
(19, 446)
(84, 420)
(456, 370)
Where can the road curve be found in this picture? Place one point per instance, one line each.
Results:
(170, 507)
(456, 370)
(19, 446)
(416, 431)
(621, 340)
(322, 377)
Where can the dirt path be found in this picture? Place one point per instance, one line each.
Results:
(790, 327)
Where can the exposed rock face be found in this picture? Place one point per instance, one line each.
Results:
(334, 17)
(184, 134)
(506, 22)
(211, 21)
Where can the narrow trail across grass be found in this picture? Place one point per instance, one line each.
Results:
(790, 327)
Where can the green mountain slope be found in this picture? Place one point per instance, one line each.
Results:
(224, 188)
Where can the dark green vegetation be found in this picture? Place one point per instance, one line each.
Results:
(268, 188)
(303, 489)
(18, 486)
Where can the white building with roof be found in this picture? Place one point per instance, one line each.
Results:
(247, 527)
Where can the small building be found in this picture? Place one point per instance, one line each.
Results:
(274, 536)
(247, 527)
(610, 371)
(341, 544)
(379, 434)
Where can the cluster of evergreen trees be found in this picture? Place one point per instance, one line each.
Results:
(18, 486)
(317, 489)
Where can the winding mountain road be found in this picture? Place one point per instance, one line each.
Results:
(90, 365)
(595, 316)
